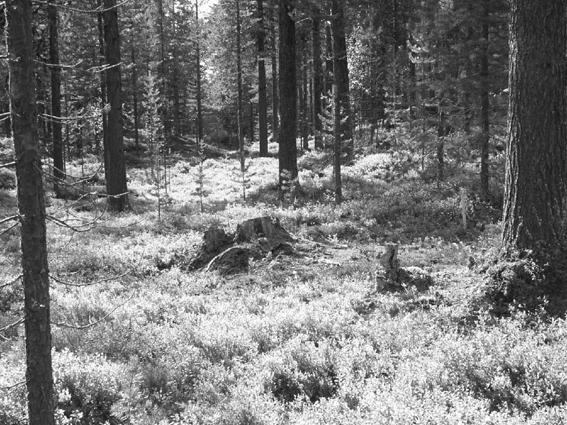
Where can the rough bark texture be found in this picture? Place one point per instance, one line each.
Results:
(115, 169)
(317, 80)
(56, 128)
(199, 80)
(341, 78)
(262, 94)
(484, 104)
(31, 204)
(288, 94)
(536, 165)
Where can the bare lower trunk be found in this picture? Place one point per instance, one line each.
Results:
(39, 376)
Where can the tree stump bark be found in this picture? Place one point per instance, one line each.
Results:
(389, 261)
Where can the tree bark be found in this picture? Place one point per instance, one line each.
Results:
(317, 80)
(536, 180)
(239, 116)
(275, 80)
(262, 95)
(288, 94)
(115, 169)
(199, 84)
(135, 93)
(39, 375)
(57, 131)
(103, 95)
(341, 78)
(484, 104)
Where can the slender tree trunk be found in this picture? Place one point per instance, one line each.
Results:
(199, 94)
(103, 96)
(262, 95)
(175, 79)
(288, 91)
(329, 78)
(304, 104)
(536, 164)
(115, 169)
(135, 93)
(275, 80)
(39, 374)
(57, 131)
(239, 94)
(317, 80)
(485, 104)
(341, 78)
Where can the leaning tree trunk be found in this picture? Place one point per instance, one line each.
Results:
(115, 169)
(262, 95)
(39, 376)
(536, 164)
(56, 132)
(288, 95)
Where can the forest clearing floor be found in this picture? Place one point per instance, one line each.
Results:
(300, 339)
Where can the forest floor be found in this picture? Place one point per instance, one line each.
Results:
(307, 339)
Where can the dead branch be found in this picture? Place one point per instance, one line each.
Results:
(12, 325)
(11, 282)
(99, 9)
(3, 232)
(9, 164)
(11, 387)
(14, 217)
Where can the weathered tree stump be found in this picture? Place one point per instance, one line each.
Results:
(396, 277)
(254, 238)
(215, 241)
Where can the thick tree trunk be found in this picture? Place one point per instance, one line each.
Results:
(39, 376)
(484, 104)
(317, 81)
(57, 131)
(115, 169)
(288, 94)
(262, 95)
(536, 163)
(341, 78)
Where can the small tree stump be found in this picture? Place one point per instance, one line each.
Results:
(389, 261)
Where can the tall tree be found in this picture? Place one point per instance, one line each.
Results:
(115, 168)
(288, 94)
(262, 95)
(275, 80)
(39, 376)
(536, 165)
(317, 84)
(485, 101)
(56, 132)
(341, 80)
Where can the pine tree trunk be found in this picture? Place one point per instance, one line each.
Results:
(341, 78)
(288, 94)
(317, 80)
(262, 95)
(57, 131)
(536, 164)
(39, 374)
(275, 80)
(484, 105)
(199, 94)
(239, 90)
(135, 102)
(115, 169)
(103, 94)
